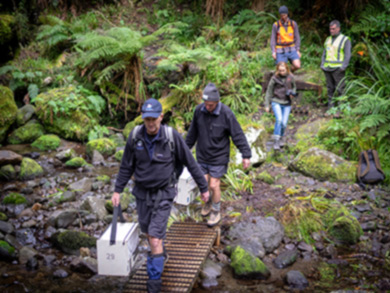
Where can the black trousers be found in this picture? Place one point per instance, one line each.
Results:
(334, 82)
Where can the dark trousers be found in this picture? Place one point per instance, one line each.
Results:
(334, 82)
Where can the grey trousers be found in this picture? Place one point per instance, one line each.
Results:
(334, 82)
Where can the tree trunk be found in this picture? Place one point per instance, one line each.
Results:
(258, 5)
(214, 8)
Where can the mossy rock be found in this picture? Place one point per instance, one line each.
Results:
(76, 162)
(71, 241)
(247, 266)
(74, 125)
(346, 229)
(29, 169)
(119, 155)
(118, 139)
(6, 28)
(24, 114)
(8, 109)
(324, 165)
(104, 146)
(104, 178)
(128, 128)
(3, 217)
(125, 200)
(265, 177)
(14, 198)
(47, 142)
(7, 252)
(7, 172)
(26, 133)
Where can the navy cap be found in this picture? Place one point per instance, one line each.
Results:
(283, 10)
(151, 108)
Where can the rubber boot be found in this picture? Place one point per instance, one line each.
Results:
(154, 268)
(154, 286)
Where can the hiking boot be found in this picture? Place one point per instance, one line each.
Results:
(215, 218)
(154, 286)
(206, 209)
(282, 142)
(277, 144)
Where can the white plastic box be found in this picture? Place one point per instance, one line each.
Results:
(187, 190)
(118, 259)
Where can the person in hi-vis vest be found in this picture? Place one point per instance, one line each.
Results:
(335, 60)
(285, 40)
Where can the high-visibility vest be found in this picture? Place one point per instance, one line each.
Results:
(285, 36)
(335, 51)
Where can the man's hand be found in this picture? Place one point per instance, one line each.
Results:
(245, 163)
(299, 54)
(205, 196)
(267, 109)
(115, 199)
(274, 55)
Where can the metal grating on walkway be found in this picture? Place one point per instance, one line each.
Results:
(188, 245)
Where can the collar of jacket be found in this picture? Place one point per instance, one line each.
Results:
(216, 111)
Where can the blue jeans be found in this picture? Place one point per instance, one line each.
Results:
(281, 114)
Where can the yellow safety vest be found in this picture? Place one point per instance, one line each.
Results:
(284, 36)
(335, 51)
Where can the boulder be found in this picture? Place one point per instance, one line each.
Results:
(74, 123)
(103, 145)
(119, 155)
(7, 173)
(296, 280)
(95, 206)
(286, 259)
(97, 158)
(7, 252)
(256, 137)
(324, 165)
(9, 157)
(66, 155)
(6, 228)
(8, 110)
(246, 266)
(26, 253)
(47, 142)
(29, 169)
(26, 133)
(24, 114)
(76, 162)
(62, 218)
(84, 185)
(346, 229)
(71, 241)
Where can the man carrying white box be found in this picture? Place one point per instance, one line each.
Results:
(152, 158)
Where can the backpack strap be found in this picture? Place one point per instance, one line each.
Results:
(365, 155)
(376, 160)
(169, 134)
(134, 134)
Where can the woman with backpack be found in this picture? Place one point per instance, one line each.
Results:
(281, 90)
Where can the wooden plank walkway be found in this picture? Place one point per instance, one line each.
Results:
(188, 245)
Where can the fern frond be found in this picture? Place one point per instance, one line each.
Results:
(110, 70)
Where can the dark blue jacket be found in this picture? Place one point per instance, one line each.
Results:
(212, 132)
(155, 173)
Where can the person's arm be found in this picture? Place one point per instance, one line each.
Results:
(293, 85)
(297, 38)
(238, 136)
(323, 59)
(273, 40)
(192, 134)
(347, 55)
(269, 93)
(126, 170)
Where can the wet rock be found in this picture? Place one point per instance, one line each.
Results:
(13, 241)
(7, 251)
(296, 280)
(319, 246)
(323, 165)
(24, 114)
(286, 259)
(47, 142)
(290, 246)
(89, 219)
(60, 274)
(95, 205)
(363, 208)
(265, 231)
(7, 172)
(76, 162)
(247, 266)
(26, 133)
(329, 251)
(70, 241)
(9, 186)
(30, 169)
(48, 259)
(9, 157)
(369, 226)
(49, 232)
(6, 228)
(25, 253)
(83, 185)
(104, 146)
(97, 158)
(62, 218)
(211, 270)
(25, 236)
(303, 246)
(66, 155)
(32, 263)
(84, 265)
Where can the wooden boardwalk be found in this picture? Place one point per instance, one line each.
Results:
(188, 245)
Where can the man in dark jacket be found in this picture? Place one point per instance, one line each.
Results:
(149, 158)
(212, 126)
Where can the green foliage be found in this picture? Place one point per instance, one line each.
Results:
(236, 182)
(97, 132)
(47, 142)
(14, 198)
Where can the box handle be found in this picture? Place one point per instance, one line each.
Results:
(117, 212)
